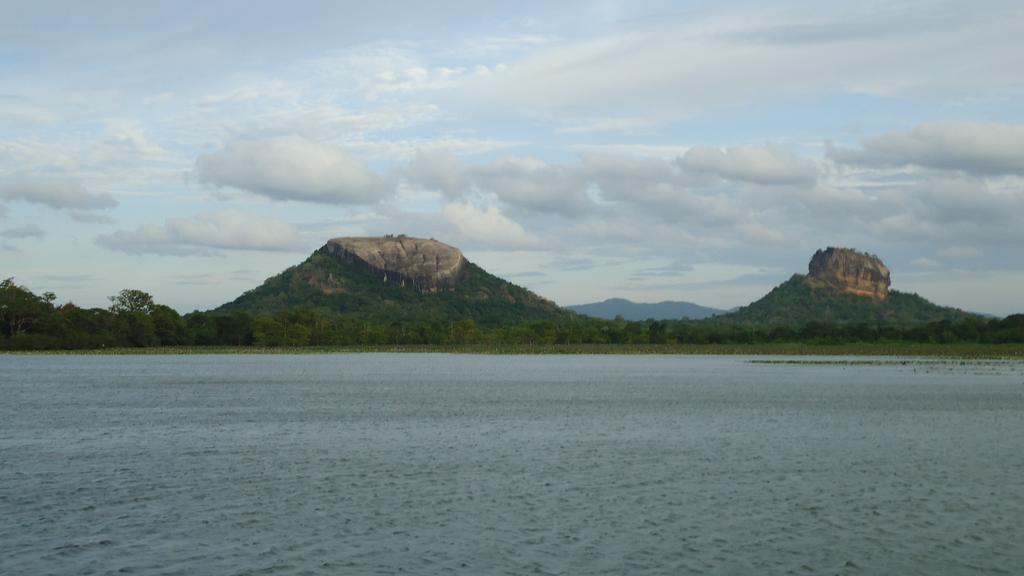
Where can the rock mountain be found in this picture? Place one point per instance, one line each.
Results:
(846, 270)
(397, 279)
(427, 265)
(400, 279)
(843, 286)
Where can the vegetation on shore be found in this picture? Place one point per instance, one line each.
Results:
(134, 321)
(880, 349)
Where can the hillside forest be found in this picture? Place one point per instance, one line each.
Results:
(30, 321)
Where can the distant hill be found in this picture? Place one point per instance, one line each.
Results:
(397, 279)
(843, 286)
(667, 310)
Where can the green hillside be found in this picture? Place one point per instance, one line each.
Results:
(796, 303)
(324, 282)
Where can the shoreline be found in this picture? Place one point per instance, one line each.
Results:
(952, 351)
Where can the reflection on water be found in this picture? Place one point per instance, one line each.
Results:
(434, 464)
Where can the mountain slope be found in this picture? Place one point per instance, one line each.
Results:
(799, 301)
(667, 310)
(331, 281)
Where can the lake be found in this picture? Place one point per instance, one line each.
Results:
(440, 464)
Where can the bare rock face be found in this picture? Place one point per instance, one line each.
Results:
(846, 270)
(427, 265)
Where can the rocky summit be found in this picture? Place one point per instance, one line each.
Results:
(849, 271)
(427, 265)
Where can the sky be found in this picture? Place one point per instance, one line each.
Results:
(697, 151)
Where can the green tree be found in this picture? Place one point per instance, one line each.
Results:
(138, 330)
(128, 300)
(267, 331)
(168, 325)
(20, 309)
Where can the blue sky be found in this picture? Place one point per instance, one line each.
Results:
(679, 150)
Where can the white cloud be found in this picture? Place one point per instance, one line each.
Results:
(408, 149)
(957, 199)
(991, 149)
(118, 156)
(55, 193)
(13, 112)
(203, 233)
(381, 71)
(730, 196)
(534, 185)
(598, 125)
(488, 227)
(260, 90)
(313, 120)
(610, 191)
(661, 151)
(292, 168)
(960, 252)
(685, 206)
(438, 170)
(923, 263)
(678, 68)
(760, 165)
(127, 137)
(502, 45)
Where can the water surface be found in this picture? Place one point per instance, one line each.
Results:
(438, 464)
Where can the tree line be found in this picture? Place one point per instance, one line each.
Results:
(36, 322)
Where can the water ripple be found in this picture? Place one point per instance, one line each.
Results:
(435, 464)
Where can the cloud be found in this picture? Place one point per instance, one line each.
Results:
(488, 227)
(677, 68)
(204, 234)
(438, 170)
(672, 269)
(56, 193)
(960, 252)
(263, 90)
(759, 165)
(314, 120)
(575, 264)
(26, 231)
(66, 278)
(611, 193)
(194, 279)
(598, 125)
(619, 175)
(502, 45)
(91, 218)
(724, 198)
(534, 185)
(662, 151)
(292, 168)
(965, 199)
(983, 149)
(128, 138)
(525, 184)
(14, 113)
